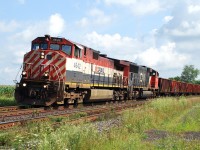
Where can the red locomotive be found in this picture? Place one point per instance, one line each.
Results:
(59, 71)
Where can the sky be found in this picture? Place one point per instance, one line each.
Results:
(162, 34)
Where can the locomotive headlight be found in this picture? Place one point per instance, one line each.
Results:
(24, 73)
(24, 84)
(46, 74)
(45, 86)
(42, 55)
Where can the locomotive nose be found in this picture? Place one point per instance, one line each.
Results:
(43, 78)
(44, 65)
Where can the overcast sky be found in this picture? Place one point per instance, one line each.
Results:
(162, 34)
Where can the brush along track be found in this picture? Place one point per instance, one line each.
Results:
(35, 115)
(116, 108)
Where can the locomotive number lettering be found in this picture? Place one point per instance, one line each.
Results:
(99, 70)
(77, 65)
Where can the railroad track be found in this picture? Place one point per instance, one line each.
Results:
(9, 108)
(17, 117)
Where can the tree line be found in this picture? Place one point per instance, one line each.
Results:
(189, 75)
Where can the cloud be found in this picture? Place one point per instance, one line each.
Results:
(84, 22)
(165, 56)
(9, 26)
(21, 1)
(56, 24)
(131, 49)
(95, 17)
(168, 18)
(142, 7)
(115, 45)
(30, 31)
(8, 74)
(185, 25)
(99, 17)
(184, 30)
(194, 9)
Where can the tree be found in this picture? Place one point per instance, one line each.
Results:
(189, 74)
(197, 82)
(177, 78)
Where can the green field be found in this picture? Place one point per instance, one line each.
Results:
(7, 96)
(165, 123)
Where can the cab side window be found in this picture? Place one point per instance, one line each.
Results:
(77, 52)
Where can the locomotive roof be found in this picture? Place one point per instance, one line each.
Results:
(59, 39)
(81, 46)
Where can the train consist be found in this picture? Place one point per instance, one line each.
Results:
(59, 71)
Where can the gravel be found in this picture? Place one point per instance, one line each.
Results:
(108, 124)
(159, 134)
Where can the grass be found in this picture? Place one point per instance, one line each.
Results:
(172, 115)
(7, 101)
(7, 96)
(7, 90)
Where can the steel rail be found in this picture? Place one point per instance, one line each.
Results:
(43, 115)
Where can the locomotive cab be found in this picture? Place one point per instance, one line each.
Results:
(43, 72)
(154, 79)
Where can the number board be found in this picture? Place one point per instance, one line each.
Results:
(56, 39)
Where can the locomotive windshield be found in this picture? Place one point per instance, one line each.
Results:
(67, 49)
(36, 46)
(54, 46)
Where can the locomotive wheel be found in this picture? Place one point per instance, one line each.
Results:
(76, 102)
(51, 100)
(66, 103)
(125, 96)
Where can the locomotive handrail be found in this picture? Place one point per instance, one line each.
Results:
(15, 81)
(27, 67)
(22, 66)
(125, 81)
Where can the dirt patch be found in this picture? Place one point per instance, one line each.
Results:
(191, 135)
(156, 134)
(159, 134)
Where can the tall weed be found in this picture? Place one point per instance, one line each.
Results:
(166, 114)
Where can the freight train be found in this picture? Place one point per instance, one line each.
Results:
(59, 71)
